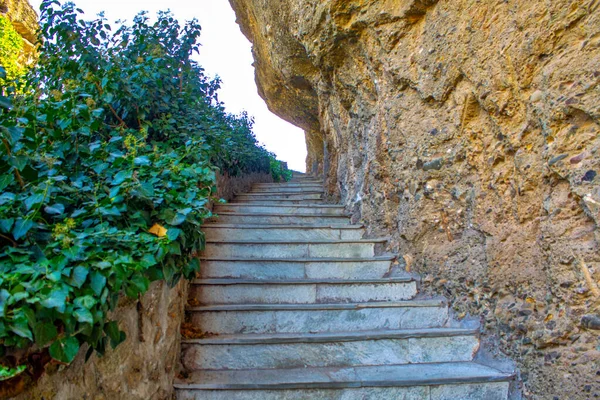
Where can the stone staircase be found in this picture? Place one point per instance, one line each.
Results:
(297, 305)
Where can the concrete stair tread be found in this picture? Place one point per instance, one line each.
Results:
(280, 206)
(308, 241)
(281, 226)
(299, 281)
(264, 194)
(302, 259)
(350, 377)
(282, 192)
(439, 302)
(280, 215)
(325, 337)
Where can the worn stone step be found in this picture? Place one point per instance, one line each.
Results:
(293, 249)
(288, 184)
(282, 219)
(343, 349)
(291, 209)
(300, 268)
(220, 232)
(280, 202)
(274, 197)
(436, 381)
(314, 318)
(301, 291)
(287, 190)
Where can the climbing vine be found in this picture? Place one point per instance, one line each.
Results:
(108, 163)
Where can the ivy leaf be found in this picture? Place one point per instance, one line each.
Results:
(110, 212)
(6, 180)
(55, 209)
(6, 224)
(83, 315)
(97, 282)
(115, 335)
(65, 350)
(57, 299)
(21, 328)
(86, 302)
(4, 296)
(44, 332)
(5, 102)
(158, 230)
(142, 160)
(121, 176)
(140, 282)
(22, 226)
(33, 200)
(79, 275)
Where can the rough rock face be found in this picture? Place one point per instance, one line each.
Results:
(141, 368)
(25, 21)
(470, 131)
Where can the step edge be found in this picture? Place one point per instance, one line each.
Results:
(275, 226)
(302, 242)
(474, 379)
(325, 206)
(327, 337)
(321, 306)
(280, 215)
(289, 282)
(302, 260)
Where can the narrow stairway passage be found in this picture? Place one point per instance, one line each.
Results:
(296, 304)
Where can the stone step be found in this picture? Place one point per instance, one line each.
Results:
(220, 232)
(281, 196)
(301, 291)
(287, 184)
(301, 268)
(321, 209)
(293, 249)
(436, 381)
(279, 219)
(315, 318)
(288, 190)
(316, 202)
(345, 349)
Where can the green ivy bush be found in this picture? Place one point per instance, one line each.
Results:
(108, 164)
(279, 170)
(11, 48)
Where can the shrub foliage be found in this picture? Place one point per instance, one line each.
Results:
(108, 163)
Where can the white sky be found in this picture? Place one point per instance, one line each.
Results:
(225, 52)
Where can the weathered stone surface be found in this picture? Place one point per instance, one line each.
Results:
(260, 232)
(305, 293)
(412, 393)
(233, 218)
(319, 320)
(142, 368)
(329, 354)
(260, 269)
(280, 209)
(289, 250)
(446, 125)
(346, 383)
(488, 391)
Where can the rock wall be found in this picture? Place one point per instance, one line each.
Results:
(25, 20)
(469, 131)
(141, 368)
